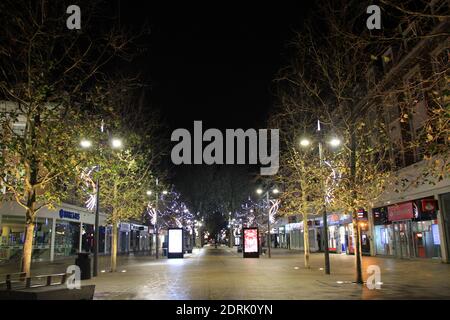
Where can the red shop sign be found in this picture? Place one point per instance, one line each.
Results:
(401, 211)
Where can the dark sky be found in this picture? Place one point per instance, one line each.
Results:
(214, 62)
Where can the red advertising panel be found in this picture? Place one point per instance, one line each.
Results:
(251, 243)
(401, 211)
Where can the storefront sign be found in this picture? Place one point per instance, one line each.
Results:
(137, 227)
(293, 226)
(380, 216)
(345, 219)
(333, 219)
(63, 214)
(428, 205)
(337, 219)
(124, 227)
(251, 243)
(401, 211)
(175, 245)
(362, 215)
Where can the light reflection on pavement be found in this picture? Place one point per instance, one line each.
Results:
(221, 273)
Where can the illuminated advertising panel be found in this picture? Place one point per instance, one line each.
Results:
(175, 243)
(251, 243)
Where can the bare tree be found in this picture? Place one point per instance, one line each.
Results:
(47, 76)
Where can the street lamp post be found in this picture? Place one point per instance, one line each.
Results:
(86, 144)
(334, 142)
(96, 226)
(156, 222)
(324, 216)
(268, 225)
(266, 194)
(230, 227)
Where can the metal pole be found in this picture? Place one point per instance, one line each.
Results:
(325, 222)
(156, 228)
(268, 224)
(230, 231)
(96, 231)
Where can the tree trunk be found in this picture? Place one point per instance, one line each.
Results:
(305, 230)
(358, 252)
(29, 233)
(306, 240)
(114, 247)
(31, 180)
(28, 247)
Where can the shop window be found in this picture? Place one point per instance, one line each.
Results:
(67, 238)
(102, 239)
(426, 239)
(87, 238)
(384, 240)
(42, 239)
(12, 237)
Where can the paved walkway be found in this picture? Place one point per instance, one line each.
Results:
(222, 273)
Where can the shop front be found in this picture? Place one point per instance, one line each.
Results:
(408, 230)
(340, 233)
(58, 233)
(334, 233)
(282, 238)
(295, 238)
(12, 237)
(124, 238)
(140, 239)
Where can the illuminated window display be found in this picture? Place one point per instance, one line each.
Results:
(67, 238)
(42, 239)
(408, 229)
(64, 222)
(87, 238)
(12, 237)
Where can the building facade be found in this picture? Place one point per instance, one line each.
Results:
(412, 218)
(64, 232)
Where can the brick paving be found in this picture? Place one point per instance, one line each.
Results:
(222, 273)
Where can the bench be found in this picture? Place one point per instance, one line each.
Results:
(7, 280)
(19, 287)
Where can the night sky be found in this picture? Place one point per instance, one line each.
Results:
(213, 62)
(216, 62)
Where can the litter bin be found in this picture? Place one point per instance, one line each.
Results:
(84, 263)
